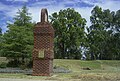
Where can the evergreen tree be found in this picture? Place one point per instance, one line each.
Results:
(18, 40)
(1, 40)
(0, 31)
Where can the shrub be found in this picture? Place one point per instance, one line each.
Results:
(23, 66)
(3, 65)
(14, 63)
(30, 64)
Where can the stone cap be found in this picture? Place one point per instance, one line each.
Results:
(44, 15)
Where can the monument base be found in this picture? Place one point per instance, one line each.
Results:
(42, 67)
(42, 74)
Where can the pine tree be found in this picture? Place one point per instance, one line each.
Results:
(18, 40)
(1, 41)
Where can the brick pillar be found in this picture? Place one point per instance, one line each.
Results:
(43, 46)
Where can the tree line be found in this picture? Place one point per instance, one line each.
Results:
(100, 41)
(73, 39)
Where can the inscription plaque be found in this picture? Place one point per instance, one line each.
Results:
(41, 54)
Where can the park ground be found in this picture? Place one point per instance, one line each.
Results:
(97, 70)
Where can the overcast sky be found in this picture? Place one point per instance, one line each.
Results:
(8, 8)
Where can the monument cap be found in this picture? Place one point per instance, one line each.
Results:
(44, 15)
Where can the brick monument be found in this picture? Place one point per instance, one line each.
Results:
(43, 46)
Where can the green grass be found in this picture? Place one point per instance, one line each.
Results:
(101, 70)
(77, 65)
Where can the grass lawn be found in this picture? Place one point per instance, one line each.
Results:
(105, 70)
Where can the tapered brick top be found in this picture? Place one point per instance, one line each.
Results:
(44, 15)
(44, 26)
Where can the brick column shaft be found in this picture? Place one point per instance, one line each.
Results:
(43, 47)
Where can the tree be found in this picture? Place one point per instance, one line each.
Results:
(18, 40)
(69, 33)
(96, 33)
(101, 34)
(1, 40)
(116, 34)
(0, 31)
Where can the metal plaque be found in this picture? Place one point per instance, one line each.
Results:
(41, 54)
